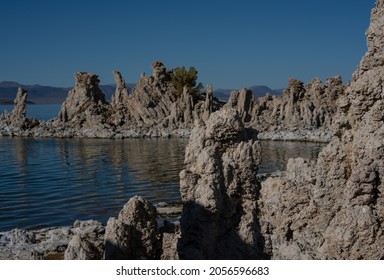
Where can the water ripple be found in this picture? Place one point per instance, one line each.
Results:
(52, 182)
(55, 181)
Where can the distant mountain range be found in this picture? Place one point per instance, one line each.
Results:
(258, 91)
(39, 94)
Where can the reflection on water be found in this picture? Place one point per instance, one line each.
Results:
(56, 181)
(50, 182)
(275, 154)
(41, 112)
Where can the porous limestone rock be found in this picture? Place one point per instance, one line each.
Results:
(208, 106)
(134, 234)
(334, 208)
(154, 104)
(80, 248)
(85, 97)
(310, 106)
(119, 99)
(154, 108)
(159, 72)
(49, 243)
(87, 242)
(242, 101)
(20, 110)
(170, 234)
(119, 105)
(220, 190)
(16, 119)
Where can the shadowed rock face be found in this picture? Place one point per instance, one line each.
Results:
(334, 208)
(134, 234)
(220, 191)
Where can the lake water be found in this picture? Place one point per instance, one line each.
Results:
(38, 111)
(53, 182)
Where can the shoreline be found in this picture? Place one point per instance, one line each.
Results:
(300, 135)
(50, 243)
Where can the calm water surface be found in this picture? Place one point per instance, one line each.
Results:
(52, 182)
(48, 182)
(42, 112)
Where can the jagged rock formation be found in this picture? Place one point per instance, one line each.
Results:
(19, 112)
(87, 242)
(48, 243)
(85, 99)
(155, 105)
(85, 110)
(242, 101)
(121, 94)
(154, 108)
(220, 191)
(170, 235)
(300, 107)
(119, 110)
(208, 106)
(17, 120)
(334, 208)
(303, 112)
(134, 234)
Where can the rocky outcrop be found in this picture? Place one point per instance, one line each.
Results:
(159, 73)
(208, 106)
(170, 235)
(85, 99)
(303, 112)
(87, 242)
(134, 234)
(242, 101)
(310, 106)
(85, 108)
(334, 208)
(48, 243)
(19, 112)
(154, 108)
(17, 118)
(119, 110)
(220, 191)
(119, 99)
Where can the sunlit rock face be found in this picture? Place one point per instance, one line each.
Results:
(219, 190)
(309, 106)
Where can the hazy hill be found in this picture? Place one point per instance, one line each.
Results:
(258, 91)
(45, 94)
(56, 95)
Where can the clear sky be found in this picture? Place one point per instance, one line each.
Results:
(233, 44)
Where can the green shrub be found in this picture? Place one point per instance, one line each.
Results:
(180, 77)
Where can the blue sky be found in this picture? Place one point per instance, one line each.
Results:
(233, 44)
